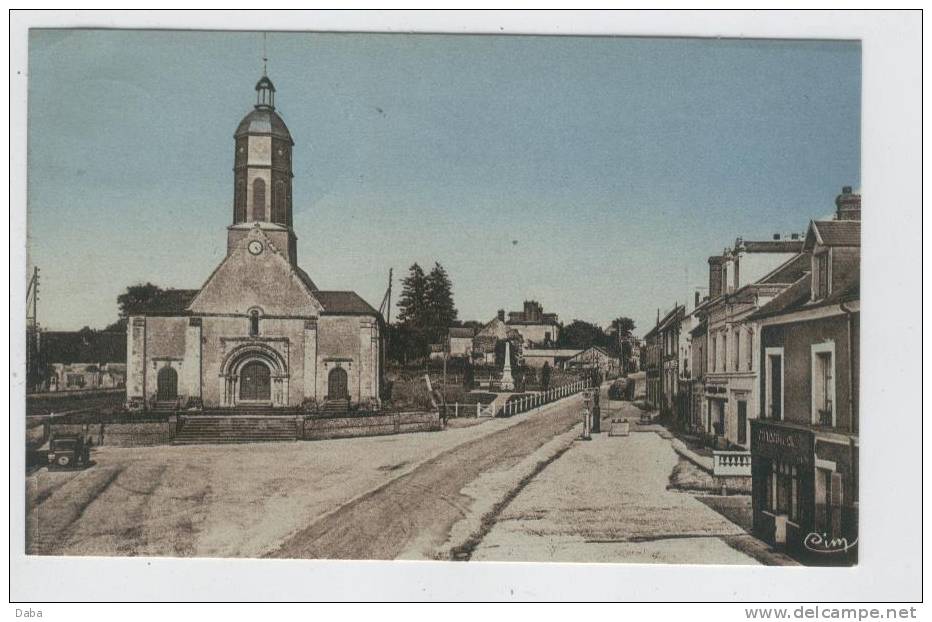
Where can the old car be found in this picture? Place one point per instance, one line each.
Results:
(69, 451)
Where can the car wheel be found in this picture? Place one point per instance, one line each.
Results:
(63, 461)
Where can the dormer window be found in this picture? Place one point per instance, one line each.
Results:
(821, 286)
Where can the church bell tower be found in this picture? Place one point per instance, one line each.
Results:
(262, 174)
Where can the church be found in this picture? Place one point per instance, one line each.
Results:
(258, 334)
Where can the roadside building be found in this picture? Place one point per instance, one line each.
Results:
(686, 408)
(804, 447)
(727, 346)
(698, 352)
(669, 337)
(652, 366)
(731, 385)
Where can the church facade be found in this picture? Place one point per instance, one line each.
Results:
(259, 333)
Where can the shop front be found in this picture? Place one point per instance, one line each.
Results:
(782, 472)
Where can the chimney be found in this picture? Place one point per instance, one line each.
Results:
(715, 277)
(696, 299)
(848, 205)
(501, 315)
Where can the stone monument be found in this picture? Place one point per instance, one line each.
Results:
(507, 383)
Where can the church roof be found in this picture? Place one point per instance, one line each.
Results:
(344, 303)
(263, 120)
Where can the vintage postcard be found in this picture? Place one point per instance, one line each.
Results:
(293, 289)
(461, 298)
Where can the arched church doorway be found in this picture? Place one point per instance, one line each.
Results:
(255, 382)
(336, 384)
(167, 384)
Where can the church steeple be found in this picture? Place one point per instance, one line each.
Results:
(262, 165)
(262, 171)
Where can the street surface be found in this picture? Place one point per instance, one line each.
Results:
(283, 499)
(606, 500)
(407, 496)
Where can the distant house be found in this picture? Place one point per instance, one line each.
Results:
(555, 357)
(486, 341)
(594, 357)
(436, 351)
(460, 341)
(84, 359)
(535, 327)
(78, 376)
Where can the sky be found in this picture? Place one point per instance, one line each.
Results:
(595, 175)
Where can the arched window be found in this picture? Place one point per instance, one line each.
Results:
(258, 199)
(253, 323)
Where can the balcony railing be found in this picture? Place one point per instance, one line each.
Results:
(732, 463)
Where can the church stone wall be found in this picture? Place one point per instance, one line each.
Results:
(350, 342)
(165, 347)
(136, 358)
(222, 335)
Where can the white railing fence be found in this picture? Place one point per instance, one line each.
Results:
(530, 401)
(734, 463)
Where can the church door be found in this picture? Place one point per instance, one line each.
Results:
(167, 384)
(336, 389)
(255, 384)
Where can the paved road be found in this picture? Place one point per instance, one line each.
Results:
(427, 501)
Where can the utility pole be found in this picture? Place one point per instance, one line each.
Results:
(32, 332)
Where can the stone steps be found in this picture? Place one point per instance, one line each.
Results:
(334, 407)
(251, 429)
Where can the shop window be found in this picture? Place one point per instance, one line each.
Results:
(784, 490)
(829, 497)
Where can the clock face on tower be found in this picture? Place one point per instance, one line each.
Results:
(255, 247)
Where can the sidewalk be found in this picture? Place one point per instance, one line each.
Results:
(607, 500)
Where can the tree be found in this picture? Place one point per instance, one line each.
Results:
(624, 327)
(440, 310)
(412, 304)
(133, 300)
(581, 335)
